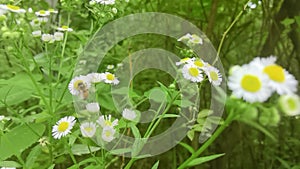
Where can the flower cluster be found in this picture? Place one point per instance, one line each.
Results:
(256, 81)
(191, 39)
(194, 69)
(79, 86)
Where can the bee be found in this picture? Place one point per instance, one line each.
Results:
(84, 92)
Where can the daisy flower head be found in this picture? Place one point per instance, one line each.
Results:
(88, 129)
(250, 84)
(195, 39)
(48, 38)
(63, 127)
(42, 13)
(281, 80)
(128, 114)
(58, 36)
(184, 61)
(35, 23)
(108, 134)
(43, 19)
(95, 77)
(109, 78)
(65, 29)
(12, 8)
(214, 76)
(192, 73)
(37, 33)
(105, 121)
(53, 11)
(106, 2)
(185, 37)
(290, 104)
(109, 67)
(78, 84)
(198, 63)
(92, 107)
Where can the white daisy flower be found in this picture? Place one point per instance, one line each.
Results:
(192, 73)
(42, 13)
(198, 63)
(195, 39)
(109, 78)
(53, 11)
(88, 129)
(43, 141)
(30, 10)
(12, 8)
(234, 68)
(92, 107)
(105, 121)
(35, 23)
(108, 134)
(48, 38)
(58, 36)
(185, 37)
(95, 77)
(280, 80)
(290, 104)
(43, 19)
(119, 64)
(78, 84)
(8, 168)
(2, 117)
(106, 2)
(129, 114)
(114, 10)
(213, 75)
(37, 33)
(65, 28)
(250, 84)
(109, 67)
(184, 61)
(63, 127)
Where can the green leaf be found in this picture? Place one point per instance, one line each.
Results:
(287, 21)
(33, 156)
(205, 159)
(80, 149)
(10, 164)
(155, 166)
(191, 134)
(283, 162)
(183, 103)
(135, 131)
(169, 116)
(18, 139)
(188, 147)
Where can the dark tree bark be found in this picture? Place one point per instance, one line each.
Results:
(289, 9)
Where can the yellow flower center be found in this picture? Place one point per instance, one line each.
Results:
(275, 72)
(107, 133)
(195, 38)
(65, 27)
(291, 103)
(63, 126)
(184, 60)
(251, 83)
(88, 129)
(76, 84)
(51, 10)
(12, 7)
(108, 123)
(214, 76)
(199, 63)
(42, 12)
(110, 76)
(193, 71)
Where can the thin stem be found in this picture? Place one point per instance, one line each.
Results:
(227, 31)
(50, 78)
(228, 120)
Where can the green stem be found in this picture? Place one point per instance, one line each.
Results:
(227, 31)
(50, 79)
(228, 120)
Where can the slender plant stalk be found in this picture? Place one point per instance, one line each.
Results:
(227, 31)
(226, 123)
